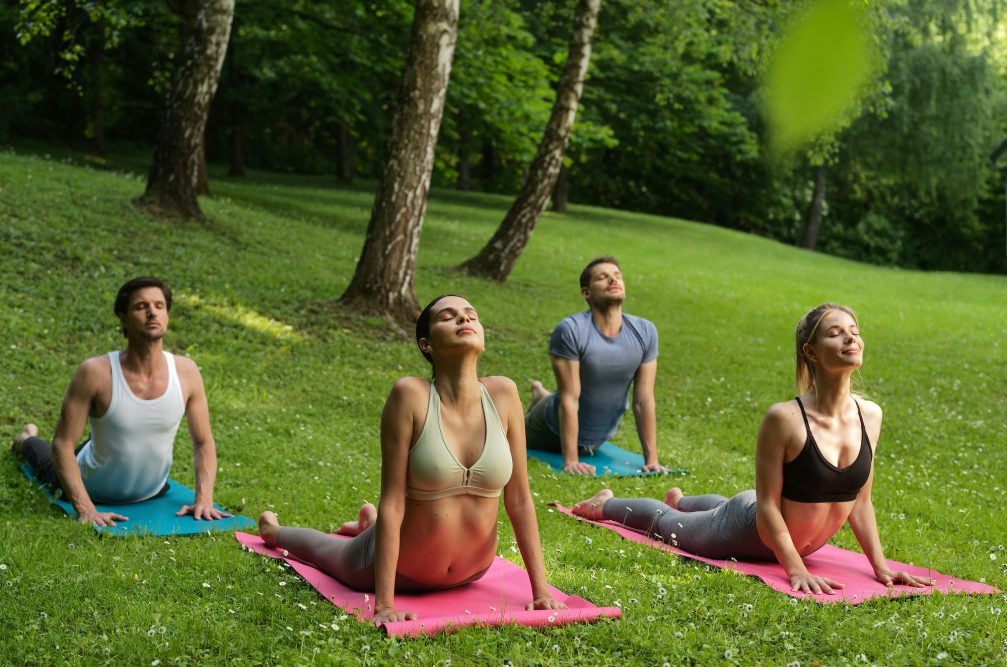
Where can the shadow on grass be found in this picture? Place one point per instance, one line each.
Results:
(344, 209)
(325, 316)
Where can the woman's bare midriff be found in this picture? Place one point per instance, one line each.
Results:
(447, 541)
(811, 525)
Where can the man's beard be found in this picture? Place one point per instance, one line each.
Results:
(609, 300)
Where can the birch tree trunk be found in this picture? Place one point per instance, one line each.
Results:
(190, 14)
(383, 282)
(497, 258)
(813, 221)
(171, 185)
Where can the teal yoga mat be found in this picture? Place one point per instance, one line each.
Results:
(152, 517)
(609, 459)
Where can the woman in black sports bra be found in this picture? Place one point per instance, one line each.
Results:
(813, 472)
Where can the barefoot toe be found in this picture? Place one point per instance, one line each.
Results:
(673, 496)
(268, 527)
(593, 507)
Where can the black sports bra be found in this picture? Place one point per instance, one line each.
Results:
(809, 478)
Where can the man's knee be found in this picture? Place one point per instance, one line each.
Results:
(538, 435)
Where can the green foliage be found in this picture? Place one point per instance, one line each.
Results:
(818, 73)
(499, 91)
(69, 19)
(922, 165)
(296, 390)
(661, 79)
(672, 119)
(873, 239)
(502, 90)
(301, 69)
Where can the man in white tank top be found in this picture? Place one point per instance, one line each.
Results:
(134, 400)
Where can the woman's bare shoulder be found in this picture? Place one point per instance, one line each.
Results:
(502, 390)
(410, 390)
(783, 419)
(869, 408)
(498, 383)
(872, 416)
(783, 412)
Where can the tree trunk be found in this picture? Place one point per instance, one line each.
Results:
(171, 185)
(383, 281)
(813, 220)
(497, 258)
(190, 14)
(464, 181)
(561, 193)
(344, 155)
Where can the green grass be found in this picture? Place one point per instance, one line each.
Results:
(296, 389)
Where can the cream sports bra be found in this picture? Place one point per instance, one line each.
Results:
(433, 471)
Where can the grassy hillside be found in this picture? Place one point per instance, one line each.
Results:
(296, 389)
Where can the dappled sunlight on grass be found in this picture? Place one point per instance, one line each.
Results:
(242, 316)
(296, 390)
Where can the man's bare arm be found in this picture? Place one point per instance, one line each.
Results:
(567, 372)
(645, 413)
(204, 448)
(80, 396)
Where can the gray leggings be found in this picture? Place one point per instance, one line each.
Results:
(350, 561)
(710, 525)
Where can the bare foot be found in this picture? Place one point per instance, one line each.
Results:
(367, 515)
(672, 497)
(538, 392)
(268, 528)
(593, 507)
(29, 431)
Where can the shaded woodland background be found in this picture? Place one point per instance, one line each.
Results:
(669, 121)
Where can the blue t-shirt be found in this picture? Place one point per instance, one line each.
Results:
(607, 367)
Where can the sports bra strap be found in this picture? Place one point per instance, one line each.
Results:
(860, 414)
(804, 414)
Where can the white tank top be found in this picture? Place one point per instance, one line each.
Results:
(129, 454)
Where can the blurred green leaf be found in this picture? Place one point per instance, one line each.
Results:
(819, 72)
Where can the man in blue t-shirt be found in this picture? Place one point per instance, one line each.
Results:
(596, 355)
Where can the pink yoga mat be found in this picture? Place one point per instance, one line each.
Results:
(847, 567)
(497, 598)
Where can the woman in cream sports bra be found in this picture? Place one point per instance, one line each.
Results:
(814, 468)
(448, 449)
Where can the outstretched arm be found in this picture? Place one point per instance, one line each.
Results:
(72, 418)
(567, 372)
(770, 454)
(396, 437)
(645, 414)
(204, 448)
(865, 525)
(518, 500)
(865, 528)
